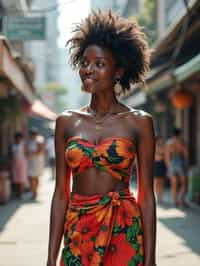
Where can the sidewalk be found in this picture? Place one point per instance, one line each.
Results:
(178, 234)
(24, 228)
(24, 231)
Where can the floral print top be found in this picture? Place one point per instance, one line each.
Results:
(114, 155)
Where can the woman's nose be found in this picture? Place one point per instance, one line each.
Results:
(89, 68)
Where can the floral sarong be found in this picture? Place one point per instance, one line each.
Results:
(103, 230)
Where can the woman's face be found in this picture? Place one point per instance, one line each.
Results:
(97, 69)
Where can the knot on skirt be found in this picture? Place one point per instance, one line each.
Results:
(115, 198)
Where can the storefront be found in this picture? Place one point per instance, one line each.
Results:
(173, 85)
(17, 103)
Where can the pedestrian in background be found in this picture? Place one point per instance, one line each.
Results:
(159, 168)
(51, 154)
(176, 157)
(34, 148)
(19, 163)
(101, 221)
(41, 153)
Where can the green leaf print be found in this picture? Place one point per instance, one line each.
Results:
(70, 259)
(122, 173)
(136, 260)
(93, 238)
(136, 246)
(116, 230)
(132, 262)
(104, 228)
(101, 250)
(137, 257)
(104, 200)
(75, 261)
(136, 227)
(67, 254)
(72, 145)
(130, 235)
(82, 211)
(99, 166)
(88, 151)
(140, 258)
(122, 193)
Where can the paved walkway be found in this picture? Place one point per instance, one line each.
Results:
(24, 231)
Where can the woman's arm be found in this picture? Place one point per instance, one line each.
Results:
(61, 194)
(146, 199)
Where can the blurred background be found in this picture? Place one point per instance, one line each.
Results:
(37, 83)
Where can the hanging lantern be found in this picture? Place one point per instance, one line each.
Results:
(182, 99)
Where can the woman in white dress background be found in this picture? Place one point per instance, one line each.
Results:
(19, 163)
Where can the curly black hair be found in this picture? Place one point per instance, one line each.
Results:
(122, 36)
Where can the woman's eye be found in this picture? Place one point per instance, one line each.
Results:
(100, 64)
(84, 63)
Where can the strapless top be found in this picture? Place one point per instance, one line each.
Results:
(114, 155)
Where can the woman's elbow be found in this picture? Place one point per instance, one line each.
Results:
(146, 199)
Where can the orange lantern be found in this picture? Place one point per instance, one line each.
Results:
(182, 99)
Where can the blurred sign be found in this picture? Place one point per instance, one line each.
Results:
(24, 28)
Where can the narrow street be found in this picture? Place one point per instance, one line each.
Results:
(24, 231)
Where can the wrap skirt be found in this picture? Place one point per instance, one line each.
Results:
(103, 230)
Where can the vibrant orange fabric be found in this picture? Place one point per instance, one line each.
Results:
(114, 155)
(103, 230)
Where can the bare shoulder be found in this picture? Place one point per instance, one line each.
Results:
(66, 116)
(141, 118)
(65, 120)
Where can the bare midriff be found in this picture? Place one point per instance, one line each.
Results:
(93, 181)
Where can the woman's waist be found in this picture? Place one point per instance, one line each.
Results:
(96, 182)
(98, 199)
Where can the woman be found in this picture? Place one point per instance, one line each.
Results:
(103, 224)
(19, 163)
(159, 168)
(176, 155)
(34, 149)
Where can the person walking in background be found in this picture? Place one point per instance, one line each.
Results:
(34, 149)
(41, 154)
(19, 163)
(100, 219)
(51, 154)
(176, 157)
(159, 168)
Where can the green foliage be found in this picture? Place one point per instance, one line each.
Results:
(58, 93)
(148, 19)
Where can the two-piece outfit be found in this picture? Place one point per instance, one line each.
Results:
(103, 229)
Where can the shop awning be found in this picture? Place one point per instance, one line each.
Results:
(188, 69)
(181, 73)
(41, 110)
(12, 71)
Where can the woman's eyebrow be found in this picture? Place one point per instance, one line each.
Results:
(97, 57)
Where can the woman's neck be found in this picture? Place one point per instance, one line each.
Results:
(102, 104)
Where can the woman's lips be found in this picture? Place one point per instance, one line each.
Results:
(88, 81)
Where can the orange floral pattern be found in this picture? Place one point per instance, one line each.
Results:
(107, 232)
(113, 155)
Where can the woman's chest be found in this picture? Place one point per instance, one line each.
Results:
(97, 132)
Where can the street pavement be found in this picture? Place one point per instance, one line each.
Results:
(24, 231)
